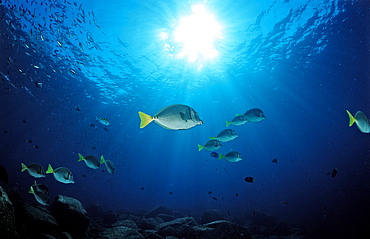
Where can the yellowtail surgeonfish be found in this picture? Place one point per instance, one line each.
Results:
(62, 174)
(40, 196)
(34, 169)
(90, 161)
(103, 121)
(40, 187)
(232, 157)
(108, 164)
(362, 122)
(254, 115)
(211, 145)
(226, 135)
(237, 121)
(175, 117)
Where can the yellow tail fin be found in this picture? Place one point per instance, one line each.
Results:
(102, 159)
(200, 147)
(212, 137)
(80, 157)
(144, 119)
(228, 123)
(24, 167)
(352, 119)
(221, 156)
(50, 169)
(31, 190)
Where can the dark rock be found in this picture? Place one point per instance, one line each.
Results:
(150, 223)
(166, 217)
(7, 217)
(110, 217)
(33, 221)
(151, 234)
(126, 223)
(94, 210)
(179, 227)
(70, 215)
(158, 210)
(219, 230)
(211, 216)
(65, 235)
(45, 236)
(121, 232)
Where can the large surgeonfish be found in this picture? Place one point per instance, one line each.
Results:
(175, 117)
(232, 157)
(254, 115)
(211, 145)
(34, 169)
(62, 174)
(238, 120)
(90, 161)
(362, 122)
(108, 164)
(40, 196)
(226, 135)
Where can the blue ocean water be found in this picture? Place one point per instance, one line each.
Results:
(304, 63)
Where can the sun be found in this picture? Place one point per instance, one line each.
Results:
(196, 34)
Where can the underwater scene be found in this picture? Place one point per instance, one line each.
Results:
(185, 119)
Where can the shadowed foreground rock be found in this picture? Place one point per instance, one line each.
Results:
(70, 215)
(7, 217)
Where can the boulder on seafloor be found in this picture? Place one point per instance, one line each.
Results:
(70, 215)
(158, 210)
(126, 223)
(166, 217)
(150, 223)
(219, 230)
(94, 210)
(211, 216)
(120, 232)
(34, 221)
(179, 227)
(7, 217)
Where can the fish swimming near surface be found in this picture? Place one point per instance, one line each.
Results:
(226, 135)
(34, 169)
(232, 157)
(103, 121)
(90, 161)
(40, 196)
(254, 115)
(361, 120)
(211, 145)
(4, 175)
(174, 117)
(61, 174)
(237, 121)
(108, 164)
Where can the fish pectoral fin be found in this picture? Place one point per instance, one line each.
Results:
(144, 119)
(352, 119)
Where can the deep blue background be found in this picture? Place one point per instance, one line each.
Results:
(302, 64)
